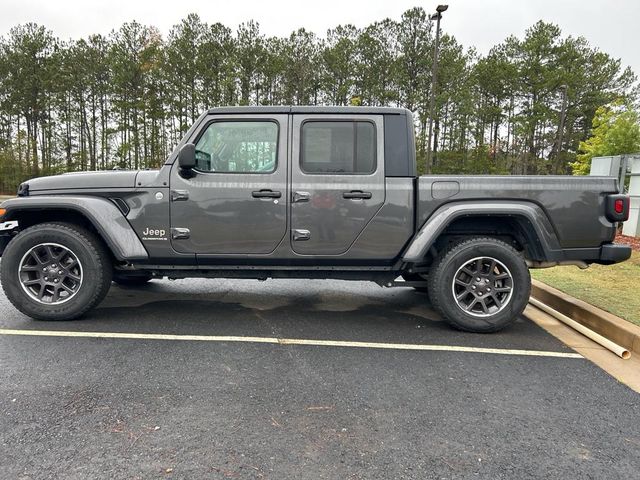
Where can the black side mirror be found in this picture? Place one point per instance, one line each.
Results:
(187, 156)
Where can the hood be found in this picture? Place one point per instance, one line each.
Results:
(82, 180)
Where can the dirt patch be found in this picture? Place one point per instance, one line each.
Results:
(634, 242)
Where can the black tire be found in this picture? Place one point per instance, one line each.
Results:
(481, 302)
(416, 277)
(92, 256)
(131, 280)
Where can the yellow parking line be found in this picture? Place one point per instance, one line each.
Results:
(288, 341)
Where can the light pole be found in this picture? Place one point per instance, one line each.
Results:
(434, 78)
(563, 117)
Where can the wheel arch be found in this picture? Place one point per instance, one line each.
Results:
(524, 222)
(97, 214)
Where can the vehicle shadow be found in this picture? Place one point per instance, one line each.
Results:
(351, 311)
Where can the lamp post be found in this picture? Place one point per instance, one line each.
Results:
(563, 117)
(434, 78)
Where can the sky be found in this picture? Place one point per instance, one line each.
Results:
(610, 25)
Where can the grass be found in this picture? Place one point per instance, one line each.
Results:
(615, 288)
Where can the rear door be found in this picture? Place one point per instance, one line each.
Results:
(235, 201)
(337, 178)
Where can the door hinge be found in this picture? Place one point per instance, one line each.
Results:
(301, 235)
(180, 233)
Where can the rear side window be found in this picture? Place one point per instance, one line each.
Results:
(338, 147)
(238, 147)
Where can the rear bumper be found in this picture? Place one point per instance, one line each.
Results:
(614, 253)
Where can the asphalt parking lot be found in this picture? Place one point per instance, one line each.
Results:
(145, 407)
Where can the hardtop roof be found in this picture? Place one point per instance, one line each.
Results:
(309, 109)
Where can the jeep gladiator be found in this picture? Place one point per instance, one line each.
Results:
(304, 192)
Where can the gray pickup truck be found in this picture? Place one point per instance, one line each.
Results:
(304, 192)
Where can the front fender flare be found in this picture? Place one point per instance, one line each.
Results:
(105, 217)
(443, 216)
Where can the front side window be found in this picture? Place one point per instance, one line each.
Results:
(338, 147)
(238, 147)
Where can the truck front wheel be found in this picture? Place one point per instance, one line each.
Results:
(480, 285)
(55, 271)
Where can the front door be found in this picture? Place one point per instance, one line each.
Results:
(337, 180)
(235, 200)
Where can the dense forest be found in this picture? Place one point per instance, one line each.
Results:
(125, 99)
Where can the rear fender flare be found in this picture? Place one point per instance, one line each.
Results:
(545, 235)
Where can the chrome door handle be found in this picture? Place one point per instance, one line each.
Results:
(179, 195)
(301, 197)
(178, 233)
(355, 194)
(301, 235)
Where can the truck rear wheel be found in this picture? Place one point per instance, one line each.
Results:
(480, 285)
(55, 271)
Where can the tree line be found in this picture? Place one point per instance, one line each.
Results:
(125, 99)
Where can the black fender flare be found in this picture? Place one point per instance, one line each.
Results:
(103, 214)
(545, 234)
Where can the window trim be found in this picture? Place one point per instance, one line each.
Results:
(199, 135)
(355, 140)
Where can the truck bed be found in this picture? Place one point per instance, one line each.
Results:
(572, 203)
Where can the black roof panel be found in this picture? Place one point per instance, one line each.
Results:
(310, 109)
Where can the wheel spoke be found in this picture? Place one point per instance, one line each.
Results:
(28, 283)
(73, 277)
(43, 289)
(36, 257)
(492, 266)
(496, 300)
(471, 304)
(484, 305)
(460, 282)
(50, 254)
(462, 295)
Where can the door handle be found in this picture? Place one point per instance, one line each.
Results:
(300, 235)
(179, 233)
(179, 195)
(355, 194)
(301, 197)
(265, 194)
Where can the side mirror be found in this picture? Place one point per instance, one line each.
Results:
(187, 156)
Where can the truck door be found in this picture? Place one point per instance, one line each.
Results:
(235, 201)
(337, 180)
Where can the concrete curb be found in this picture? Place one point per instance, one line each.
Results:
(606, 324)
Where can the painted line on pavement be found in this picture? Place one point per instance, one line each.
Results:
(287, 341)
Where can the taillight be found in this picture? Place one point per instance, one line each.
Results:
(617, 208)
(618, 205)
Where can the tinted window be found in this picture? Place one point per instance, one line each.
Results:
(238, 147)
(338, 147)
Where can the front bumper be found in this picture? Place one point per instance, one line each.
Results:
(614, 253)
